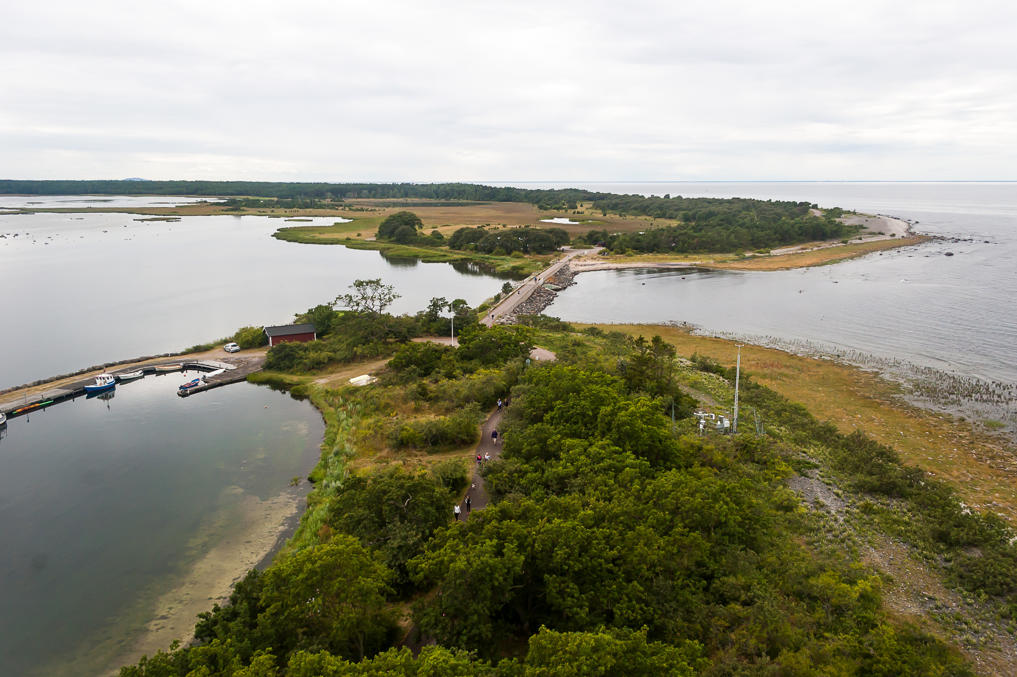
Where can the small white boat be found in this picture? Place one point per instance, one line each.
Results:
(103, 382)
(212, 374)
(130, 376)
(3, 418)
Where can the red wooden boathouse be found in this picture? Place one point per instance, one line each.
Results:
(290, 332)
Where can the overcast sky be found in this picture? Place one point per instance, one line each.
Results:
(509, 91)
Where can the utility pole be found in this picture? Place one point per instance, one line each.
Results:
(738, 372)
(453, 330)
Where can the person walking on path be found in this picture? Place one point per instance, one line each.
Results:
(468, 502)
(487, 450)
(494, 437)
(457, 510)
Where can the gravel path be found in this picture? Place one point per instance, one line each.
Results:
(477, 492)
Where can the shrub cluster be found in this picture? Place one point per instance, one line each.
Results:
(524, 240)
(438, 434)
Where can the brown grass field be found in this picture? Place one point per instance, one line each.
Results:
(373, 211)
(982, 467)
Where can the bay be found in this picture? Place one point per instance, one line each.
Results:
(88, 288)
(107, 507)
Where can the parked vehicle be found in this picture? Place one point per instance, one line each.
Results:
(231, 347)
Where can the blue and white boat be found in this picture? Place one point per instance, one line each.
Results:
(194, 383)
(103, 382)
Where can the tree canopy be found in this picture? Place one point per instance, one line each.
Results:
(368, 296)
(400, 226)
(616, 541)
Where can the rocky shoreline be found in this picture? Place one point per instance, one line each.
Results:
(543, 296)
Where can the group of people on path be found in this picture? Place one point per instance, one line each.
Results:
(468, 503)
(481, 458)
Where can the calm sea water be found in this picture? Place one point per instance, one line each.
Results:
(103, 504)
(85, 201)
(955, 313)
(83, 289)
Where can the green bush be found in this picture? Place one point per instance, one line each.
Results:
(419, 359)
(250, 337)
(439, 434)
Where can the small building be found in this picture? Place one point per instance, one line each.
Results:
(290, 332)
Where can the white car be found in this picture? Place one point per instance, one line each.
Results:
(231, 348)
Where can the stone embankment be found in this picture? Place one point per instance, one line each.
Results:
(543, 296)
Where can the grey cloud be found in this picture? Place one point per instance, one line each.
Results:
(485, 91)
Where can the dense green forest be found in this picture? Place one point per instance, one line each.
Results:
(618, 540)
(562, 198)
(724, 228)
(404, 228)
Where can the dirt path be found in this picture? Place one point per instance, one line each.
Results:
(477, 492)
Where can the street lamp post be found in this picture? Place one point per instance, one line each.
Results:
(453, 318)
(738, 372)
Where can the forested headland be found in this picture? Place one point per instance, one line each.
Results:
(730, 226)
(620, 538)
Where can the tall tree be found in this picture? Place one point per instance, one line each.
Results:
(368, 296)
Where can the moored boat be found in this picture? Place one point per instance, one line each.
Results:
(130, 376)
(3, 418)
(212, 374)
(167, 368)
(31, 407)
(103, 382)
(193, 383)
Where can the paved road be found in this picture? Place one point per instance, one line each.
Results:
(507, 305)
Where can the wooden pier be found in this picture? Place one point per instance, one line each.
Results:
(235, 370)
(233, 374)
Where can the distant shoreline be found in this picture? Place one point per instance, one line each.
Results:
(894, 233)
